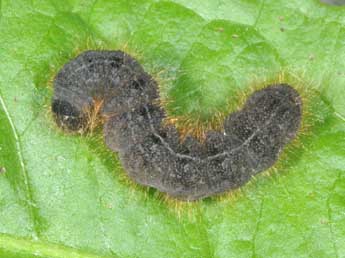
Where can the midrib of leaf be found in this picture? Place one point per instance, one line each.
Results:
(14, 245)
(29, 199)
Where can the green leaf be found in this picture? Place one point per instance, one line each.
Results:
(65, 196)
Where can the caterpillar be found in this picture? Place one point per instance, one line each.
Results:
(152, 152)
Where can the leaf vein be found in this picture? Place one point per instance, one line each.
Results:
(29, 198)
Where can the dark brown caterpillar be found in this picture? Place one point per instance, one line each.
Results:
(152, 154)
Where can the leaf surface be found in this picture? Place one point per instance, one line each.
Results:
(64, 196)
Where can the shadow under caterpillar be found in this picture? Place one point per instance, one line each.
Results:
(152, 153)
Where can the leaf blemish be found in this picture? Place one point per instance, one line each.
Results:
(2, 170)
(151, 151)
